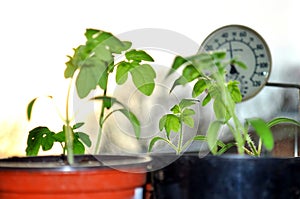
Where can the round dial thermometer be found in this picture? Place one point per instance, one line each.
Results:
(248, 46)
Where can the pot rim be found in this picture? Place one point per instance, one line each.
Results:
(161, 160)
(224, 156)
(82, 162)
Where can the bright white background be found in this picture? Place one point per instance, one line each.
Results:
(36, 36)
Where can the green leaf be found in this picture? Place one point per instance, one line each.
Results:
(117, 46)
(143, 78)
(60, 137)
(39, 137)
(162, 122)
(108, 102)
(190, 73)
(133, 120)
(234, 90)
(219, 55)
(204, 138)
(78, 147)
(103, 53)
(47, 141)
(178, 61)
(180, 81)
(225, 148)
(175, 109)
(202, 61)
(281, 120)
(263, 131)
(85, 138)
(188, 112)
(189, 121)
(126, 45)
(219, 109)
(170, 122)
(71, 68)
(199, 87)
(89, 76)
(138, 55)
(212, 135)
(200, 138)
(240, 64)
(29, 108)
(92, 33)
(122, 72)
(77, 125)
(206, 100)
(154, 140)
(106, 39)
(187, 102)
(103, 80)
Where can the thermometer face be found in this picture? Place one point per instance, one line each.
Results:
(247, 46)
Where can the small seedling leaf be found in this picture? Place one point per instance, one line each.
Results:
(199, 87)
(206, 100)
(29, 108)
(219, 109)
(103, 53)
(180, 81)
(234, 90)
(175, 109)
(85, 138)
(138, 55)
(89, 75)
(77, 125)
(281, 120)
(71, 68)
(189, 121)
(122, 72)
(133, 120)
(143, 78)
(190, 73)
(212, 135)
(60, 137)
(188, 112)
(170, 123)
(39, 137)
(154, 140)
(187, 103)
(47, 141)
(219, 55)
(178, 61)
(263, 131)
(108, 102)
(78, 147)
(240, 64)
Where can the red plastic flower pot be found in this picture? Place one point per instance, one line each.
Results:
(26, 178)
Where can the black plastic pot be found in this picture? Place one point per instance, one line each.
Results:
(226, 177)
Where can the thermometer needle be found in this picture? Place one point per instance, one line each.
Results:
(233, 70)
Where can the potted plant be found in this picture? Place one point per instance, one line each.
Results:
(248, 174)
(72, 175)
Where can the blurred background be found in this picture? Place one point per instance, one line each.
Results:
(36, 36)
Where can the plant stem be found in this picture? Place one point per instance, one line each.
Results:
(230, 107)
(180, 139)
(68, 130)
(101, 119)
(238, 135)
